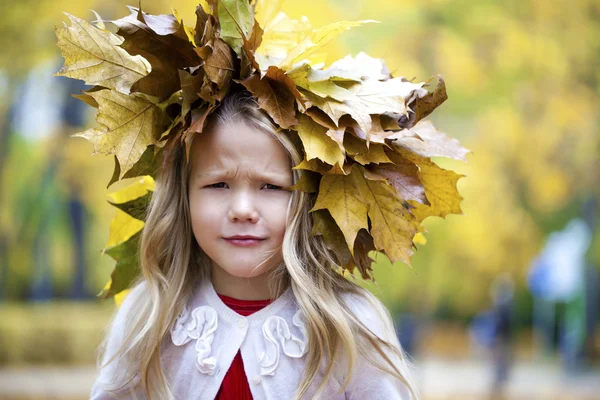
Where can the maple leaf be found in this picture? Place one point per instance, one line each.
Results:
(351, 198)
(317, 39)
(162, 40)
(317, 144)
(125, 232)
(357, 148)
(94, 55)
(340, 195)
(369, 97)
(324, 225)
(403, 175)
(392, 225)
(127, 266)
(440, 188)
(276, 94)
(128, 125)
(281, 34)
(423, 106)
(426, 141)
(150, 164)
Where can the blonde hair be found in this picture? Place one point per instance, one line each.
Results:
(172, 264)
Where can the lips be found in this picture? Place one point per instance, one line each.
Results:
(244, 237)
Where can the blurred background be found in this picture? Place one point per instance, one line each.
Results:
(501, 302)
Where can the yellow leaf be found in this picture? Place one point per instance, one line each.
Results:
(281, 34)
(94, 55)
(340, 195)
(137, 189)
(121, 296)
(420, 239)
(392, 225)
(122, 227)
(316, 142)
(317, 39)
(440, 188)
(128, 125)
(369, 97)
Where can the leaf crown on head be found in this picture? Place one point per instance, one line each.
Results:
(367, 150)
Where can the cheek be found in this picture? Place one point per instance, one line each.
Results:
(203, 212)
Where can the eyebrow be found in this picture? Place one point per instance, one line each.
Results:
(227, 174)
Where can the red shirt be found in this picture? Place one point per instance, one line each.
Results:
(235, 383)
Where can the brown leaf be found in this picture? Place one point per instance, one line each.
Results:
(198, 123)
(219, 66)
(149, 164)
(248, 59)
(274, 95)
(402, 175)
(161, 40)
(426, 141)
(325, 226)
(423, 106)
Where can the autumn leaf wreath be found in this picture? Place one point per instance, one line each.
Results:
(367, 148)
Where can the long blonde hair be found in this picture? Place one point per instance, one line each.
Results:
(172, 264)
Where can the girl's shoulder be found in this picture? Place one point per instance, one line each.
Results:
(371, 311)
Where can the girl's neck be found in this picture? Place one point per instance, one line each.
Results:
(255, 288)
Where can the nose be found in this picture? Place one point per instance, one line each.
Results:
(243, 208)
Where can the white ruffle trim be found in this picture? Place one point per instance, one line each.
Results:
(199, 325)
(278, 336)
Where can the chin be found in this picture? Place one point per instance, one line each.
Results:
(244, 272)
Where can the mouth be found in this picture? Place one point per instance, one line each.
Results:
(244, 242)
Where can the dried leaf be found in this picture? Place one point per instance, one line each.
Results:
(392, 225)
(317, 39)
(340, 195)
(440, 188)
(275, 94)
(403, 175)
(162, 40)
(128, 125)
(148, 164)
(95, 56)
(426, 141)
(316, 142)
(423, 106)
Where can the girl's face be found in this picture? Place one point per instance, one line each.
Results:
(235, 188)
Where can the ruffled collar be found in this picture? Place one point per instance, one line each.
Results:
(200, 324)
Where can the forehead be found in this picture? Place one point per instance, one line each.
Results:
(235, 146)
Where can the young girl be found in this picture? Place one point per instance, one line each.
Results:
(237, 299)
